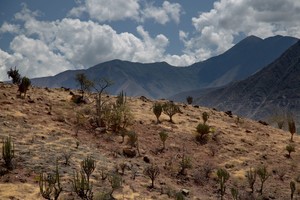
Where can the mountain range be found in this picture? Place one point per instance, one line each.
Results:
(161, 80)
(275, 87)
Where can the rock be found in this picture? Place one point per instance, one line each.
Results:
(144, 99)
(263, 122)
(129, 152)
(196, 106)
(185, 192)
(100, 130)
(229, 113)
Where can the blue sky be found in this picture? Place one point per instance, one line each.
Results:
(43, 37)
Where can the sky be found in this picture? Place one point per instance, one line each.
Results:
(43, 38)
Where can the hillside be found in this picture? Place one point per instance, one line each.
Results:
(43, 126)
(161, 80)
(276, 87)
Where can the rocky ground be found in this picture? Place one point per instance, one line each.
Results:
(44, 128)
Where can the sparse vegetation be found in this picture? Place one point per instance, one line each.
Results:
(24, 86)
(14, 75)
(81, 186)
(251, 178)
(8, 152)
(263, 175)
(290, 148)
(157, 110)
(152, 172)
(223, 177)
(50, 185)
(185, 164)
(234, 193)
(293, 189)
(291, 125)
(189, 100)
(88, 165)
(84, 82)
(170, 109)
(205, 117)
(163, 135)
(202, 132)
(115, 181)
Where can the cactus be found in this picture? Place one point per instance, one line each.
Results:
(88, 166)
(82, 186)
(121, 99)
(50, 185)
(223, 176)
(8, 152)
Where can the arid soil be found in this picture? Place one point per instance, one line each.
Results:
(44, 128)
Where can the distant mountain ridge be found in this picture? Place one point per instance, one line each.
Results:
(161, 80)
(275, 87)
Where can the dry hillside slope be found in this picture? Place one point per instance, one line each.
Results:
(43, 127)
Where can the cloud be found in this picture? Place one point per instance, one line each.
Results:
(9, 28)
(168, 11)
(217, 29)
(106, 11)
(49, 47)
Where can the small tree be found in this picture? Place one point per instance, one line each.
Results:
(84, 82)
(157, 110)
(202, 132)
(263, 175)
(205, 117)
(15, 75)
(24, 86)
(8, 152)
(88, 165)
(251, 178)
(189, 100)
(163, 135)
(223, 177)
(170, 109)
(290, 148)
(115, 181)
(152, 172)
(291, 125)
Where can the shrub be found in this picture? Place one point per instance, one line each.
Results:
(202, 132)
(263, 174)
(291, 125)
(15, 75)
(157, 110)
(205, 117)
(189, 100)
(185, 164)
(50, 184)
(24, 86)
(152, 172)
(170, 109)
(290, 148)
(67, 156)
(251, 178)
(163, 135)
(234, 193)
(201, 175)
(223, 177)
(84, 82)
(115, 181)
(81, 186)
(8, 152)
(88, 165)
(132, 138)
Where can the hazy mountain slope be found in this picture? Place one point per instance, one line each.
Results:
(161, 80)
(276, 86)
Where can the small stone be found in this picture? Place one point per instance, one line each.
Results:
(146, 159)
(185, 192)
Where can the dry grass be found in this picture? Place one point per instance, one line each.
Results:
(41, 138)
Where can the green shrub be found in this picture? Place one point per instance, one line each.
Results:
(115, 181)
(157, 110)
(8, 152)
(163, 135)
(185, 164)
(152, 172)
(202, 133)
(24, 86)
(263, 175)
(205, 117)
(223, 177)
(170, 109)
(290, 148)
(15, 75)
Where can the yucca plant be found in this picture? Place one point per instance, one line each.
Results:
(8, 152)
(223, 177)
(263, 174)
(88, 165)
(163, 135)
